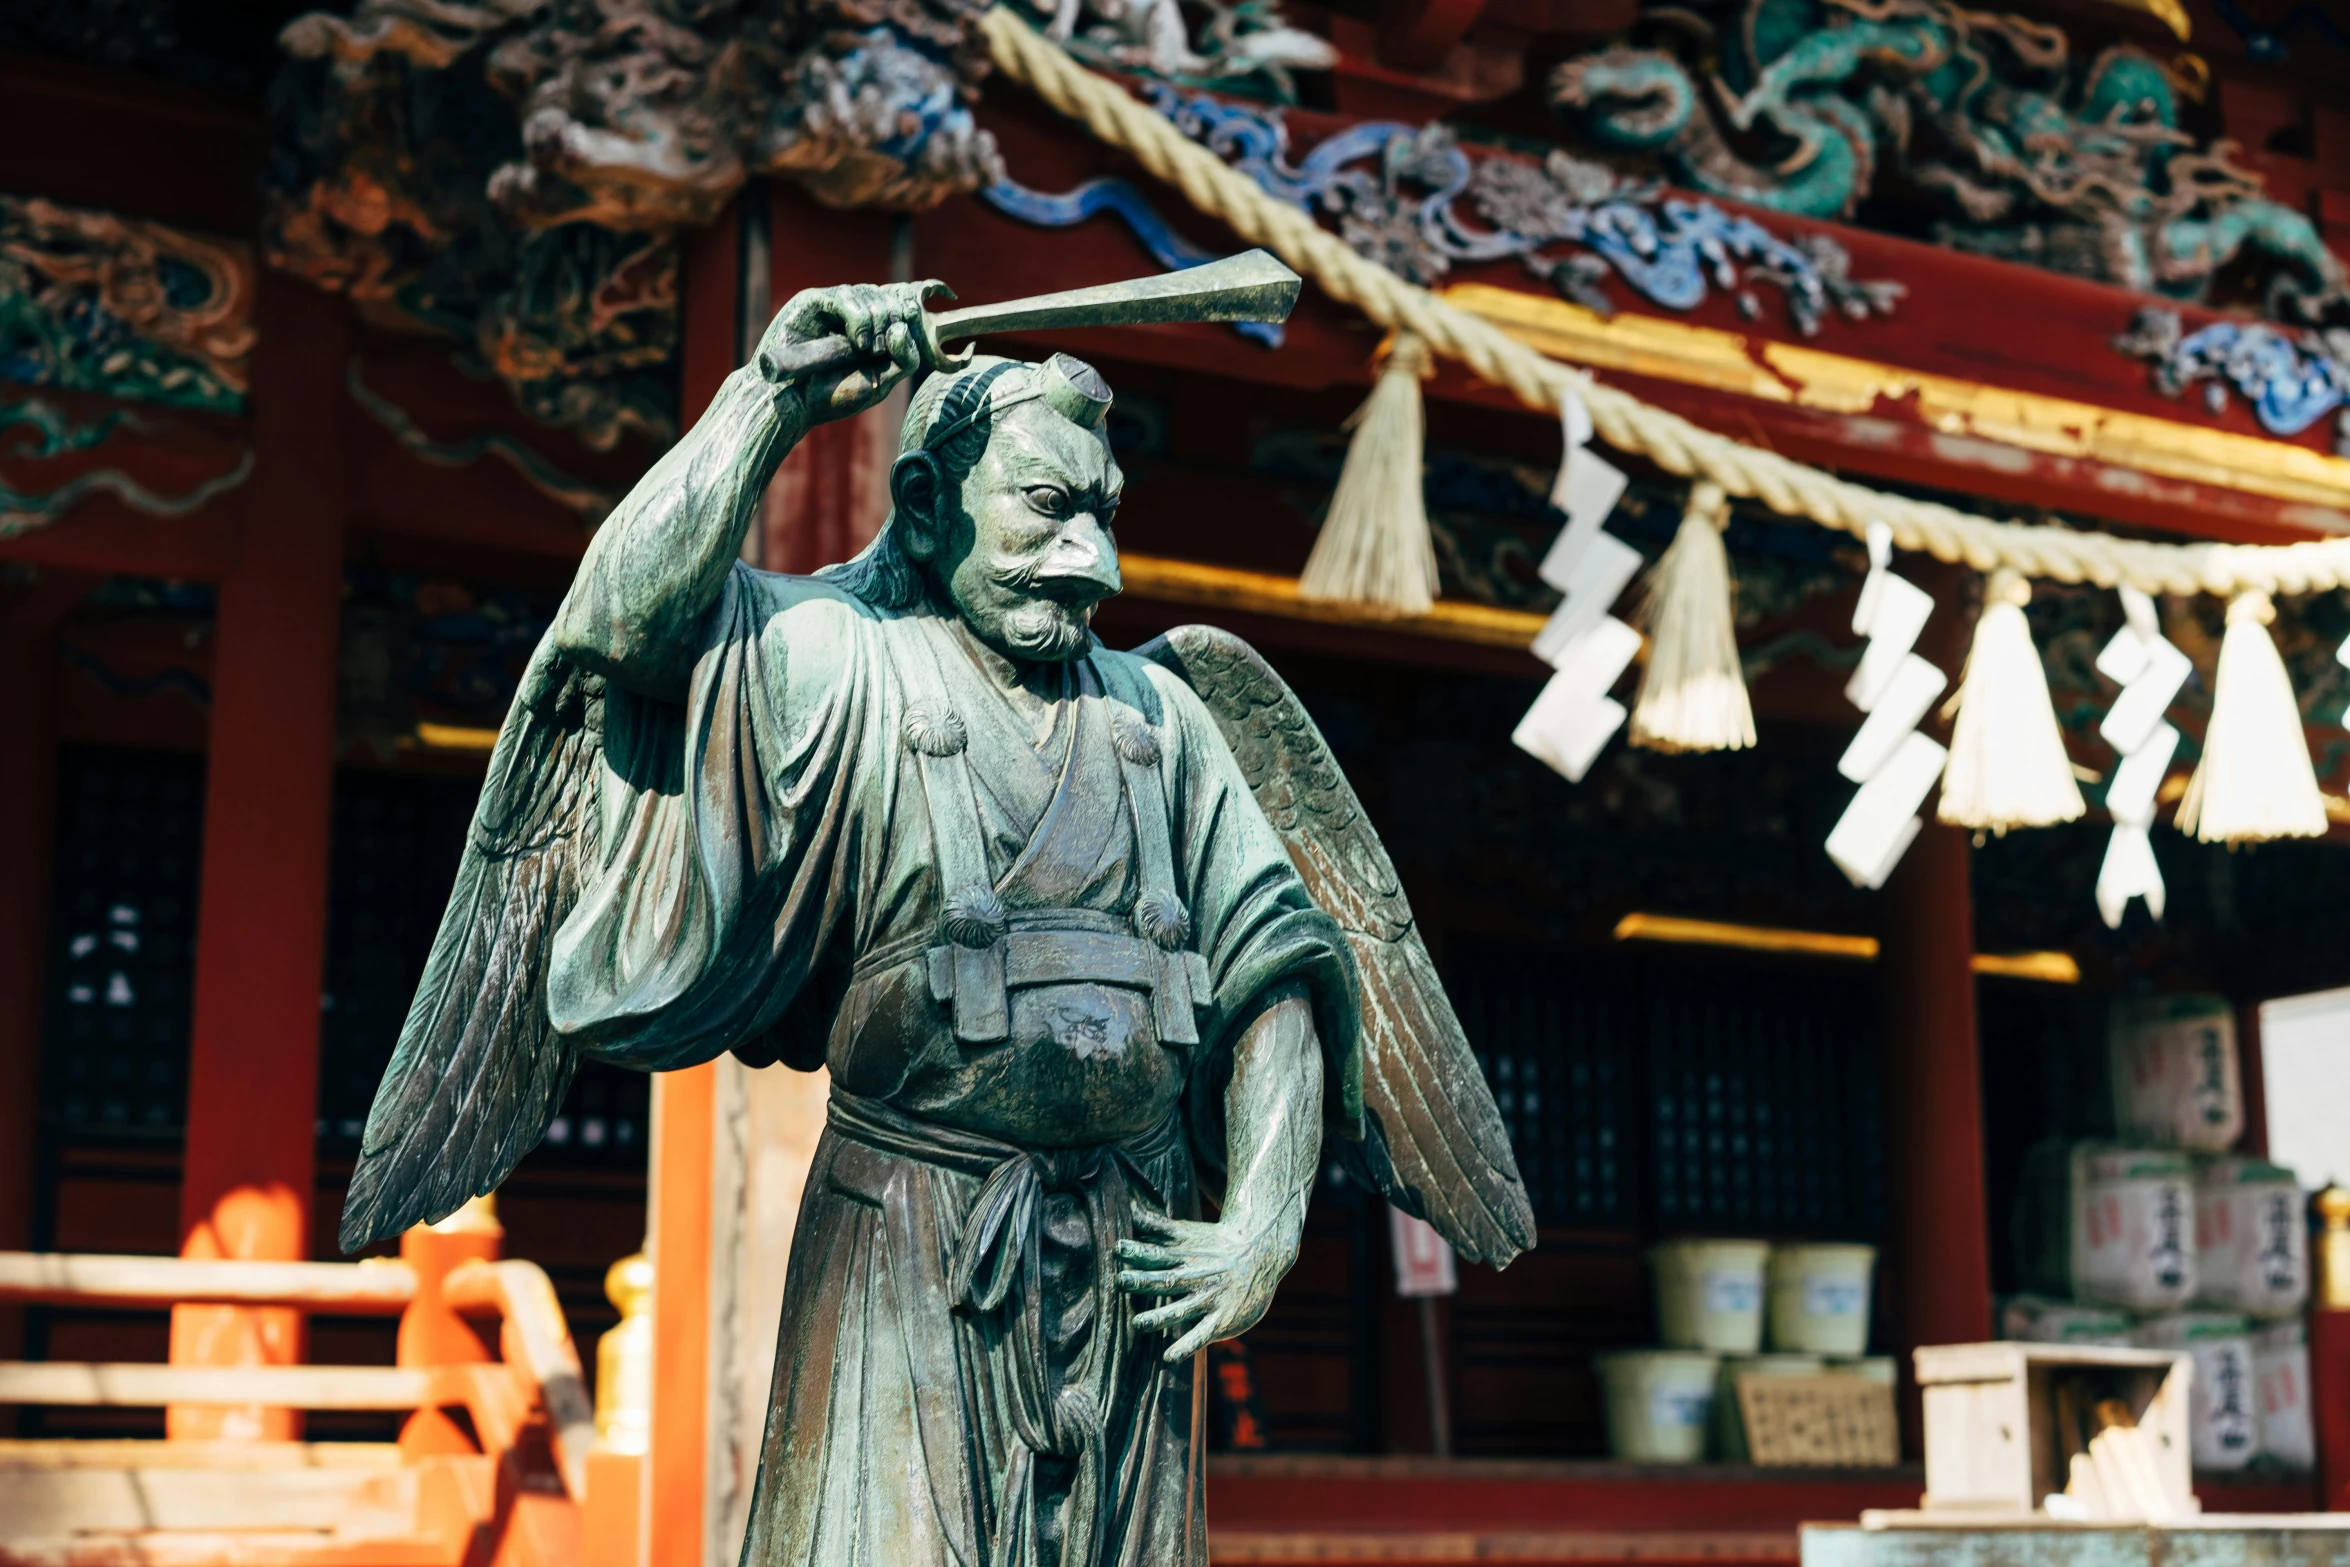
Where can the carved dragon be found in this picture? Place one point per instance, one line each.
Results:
(514, 173)
(2079, 170)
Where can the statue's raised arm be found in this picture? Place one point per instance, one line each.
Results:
(658, 563)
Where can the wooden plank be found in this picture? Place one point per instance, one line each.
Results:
(55, 1453)
(349, 1502)
(146, 1386)
(378, 1286)
(218, 1548)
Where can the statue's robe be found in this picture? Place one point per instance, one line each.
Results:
(957, 1378)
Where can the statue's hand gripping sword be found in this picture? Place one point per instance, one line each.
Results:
(1252, 286)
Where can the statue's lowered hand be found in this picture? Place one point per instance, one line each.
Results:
(882, 322)
(1223, 1273)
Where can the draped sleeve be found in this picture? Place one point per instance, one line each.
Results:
(728, 871)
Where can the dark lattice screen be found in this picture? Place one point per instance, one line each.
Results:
(1554, 1038)
(1763, 1096)
(1681, 1090)
(129, 827)
(397, 838)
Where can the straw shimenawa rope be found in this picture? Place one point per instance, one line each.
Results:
(1624, 421)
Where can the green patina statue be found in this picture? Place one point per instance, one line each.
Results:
(1089, 941)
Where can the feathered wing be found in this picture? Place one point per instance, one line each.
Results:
(479, 1070)
(1433, 1142)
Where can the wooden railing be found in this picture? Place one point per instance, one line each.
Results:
(486, 1371)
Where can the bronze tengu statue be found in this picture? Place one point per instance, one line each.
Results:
(1084, 937)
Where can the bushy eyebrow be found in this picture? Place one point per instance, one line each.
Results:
(1029, 461)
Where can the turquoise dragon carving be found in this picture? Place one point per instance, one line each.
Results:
(1812, 106)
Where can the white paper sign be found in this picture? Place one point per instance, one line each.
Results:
(1423, 1259)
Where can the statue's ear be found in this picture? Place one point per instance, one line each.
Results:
(917, 492)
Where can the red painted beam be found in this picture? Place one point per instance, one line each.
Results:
(2050, 336)
(1416, 35)
(261, 914)
(1301, 1495)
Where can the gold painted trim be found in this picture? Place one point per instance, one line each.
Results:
(2056, 968)
(1789, 373)
(1673, 929)
(456, 737)
(1171, 581)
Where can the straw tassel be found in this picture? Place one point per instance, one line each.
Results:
(1374, 548)
(1693, 693)
(2254, 781)
(2007, 766)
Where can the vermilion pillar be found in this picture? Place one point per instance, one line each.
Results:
(1938, 1252)
(261, 914)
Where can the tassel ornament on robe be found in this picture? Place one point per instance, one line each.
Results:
(1374, 549)
(2254, 781)
(1693, 693)
(2007, 765)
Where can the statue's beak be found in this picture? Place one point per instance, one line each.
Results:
(1081, 565)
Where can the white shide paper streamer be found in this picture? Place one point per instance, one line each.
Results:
(1894, 765)
(2150, 672)
(1574, 717)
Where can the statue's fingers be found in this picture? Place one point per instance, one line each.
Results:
(1151, 1255)
(1197, 1339)
(866, 326)
(1160, 1224)
(1175, 1314)
(1166, 1281)
(905, 350)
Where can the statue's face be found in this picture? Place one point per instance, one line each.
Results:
(1022, 546)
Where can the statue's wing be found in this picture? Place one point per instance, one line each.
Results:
(479, 1070)
(1433, 1142)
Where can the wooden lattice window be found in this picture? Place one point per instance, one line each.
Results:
(130, 824)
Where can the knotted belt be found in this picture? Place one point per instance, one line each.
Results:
(996, 1266)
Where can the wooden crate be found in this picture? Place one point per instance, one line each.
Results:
(1991, 1421)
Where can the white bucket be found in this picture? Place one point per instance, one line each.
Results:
(1820, 1299)
(1709, 1294)
(1729, 1418)
(1659, 1402)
